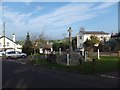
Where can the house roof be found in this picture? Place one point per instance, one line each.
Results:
(94, 32)
(9, 39)
(47, 46)
(67, 38)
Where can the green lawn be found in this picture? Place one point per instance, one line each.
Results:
(105, 64)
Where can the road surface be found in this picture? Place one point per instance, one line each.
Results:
(17, 75)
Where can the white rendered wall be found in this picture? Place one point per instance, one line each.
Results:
(85, 36)
(11, 44)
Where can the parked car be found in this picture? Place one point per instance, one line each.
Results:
(1, 53)
(77, 50)
(15, 54)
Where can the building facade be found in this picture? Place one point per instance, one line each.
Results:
(83, 35)
(9, 44)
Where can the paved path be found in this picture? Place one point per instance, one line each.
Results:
(17, 75)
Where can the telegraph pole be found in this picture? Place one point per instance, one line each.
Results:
(3, 26)
(4, 36)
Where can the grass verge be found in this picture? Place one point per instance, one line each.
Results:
(105, 64)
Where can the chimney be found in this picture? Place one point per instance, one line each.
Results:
(13, 37)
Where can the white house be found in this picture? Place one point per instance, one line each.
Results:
(46, 48)
(9, 44)
(83, 35)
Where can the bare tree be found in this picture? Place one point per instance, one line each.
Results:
(38, 40)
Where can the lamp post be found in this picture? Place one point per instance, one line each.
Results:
(70, 42)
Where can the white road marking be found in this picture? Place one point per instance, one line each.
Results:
(109, 76)
(23, 63)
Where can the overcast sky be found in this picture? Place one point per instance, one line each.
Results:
(54, 19)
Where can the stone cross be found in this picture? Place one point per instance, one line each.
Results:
(70, 39)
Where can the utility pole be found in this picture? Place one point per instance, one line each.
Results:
(3, 26)
(4, 36)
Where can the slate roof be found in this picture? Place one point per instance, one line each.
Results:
(47, 46)
(94, 32)
(9, 39)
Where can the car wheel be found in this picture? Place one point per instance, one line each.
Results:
(9, 57)
(23, 56)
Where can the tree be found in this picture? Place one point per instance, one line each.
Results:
(113, 43)
(94, 40)
(27, 47)
(118, 41)
(90, 43)
(56, 46)
(87, 43)
(74, 43)
(64, 44)
(38, 40)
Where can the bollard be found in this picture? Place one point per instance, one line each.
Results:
(80, 61)
(118, 53)
(93, 61)
(67, 59)
(98, 54)
(85, 57)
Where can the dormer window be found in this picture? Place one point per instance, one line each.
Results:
(80, 37)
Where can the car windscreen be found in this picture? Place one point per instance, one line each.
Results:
(13, 52)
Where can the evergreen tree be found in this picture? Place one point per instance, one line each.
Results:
(74, 43)
(27, 47)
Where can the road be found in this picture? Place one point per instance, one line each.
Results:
(16, 75)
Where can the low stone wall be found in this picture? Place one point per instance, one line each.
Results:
(62, 59)
(108, 54)
(76, 55)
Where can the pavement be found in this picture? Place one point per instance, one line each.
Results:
(18, 75)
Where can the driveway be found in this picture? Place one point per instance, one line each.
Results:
(17, 75)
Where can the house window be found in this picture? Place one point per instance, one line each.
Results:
(81, 45)
(80, 37)
(8, 43)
